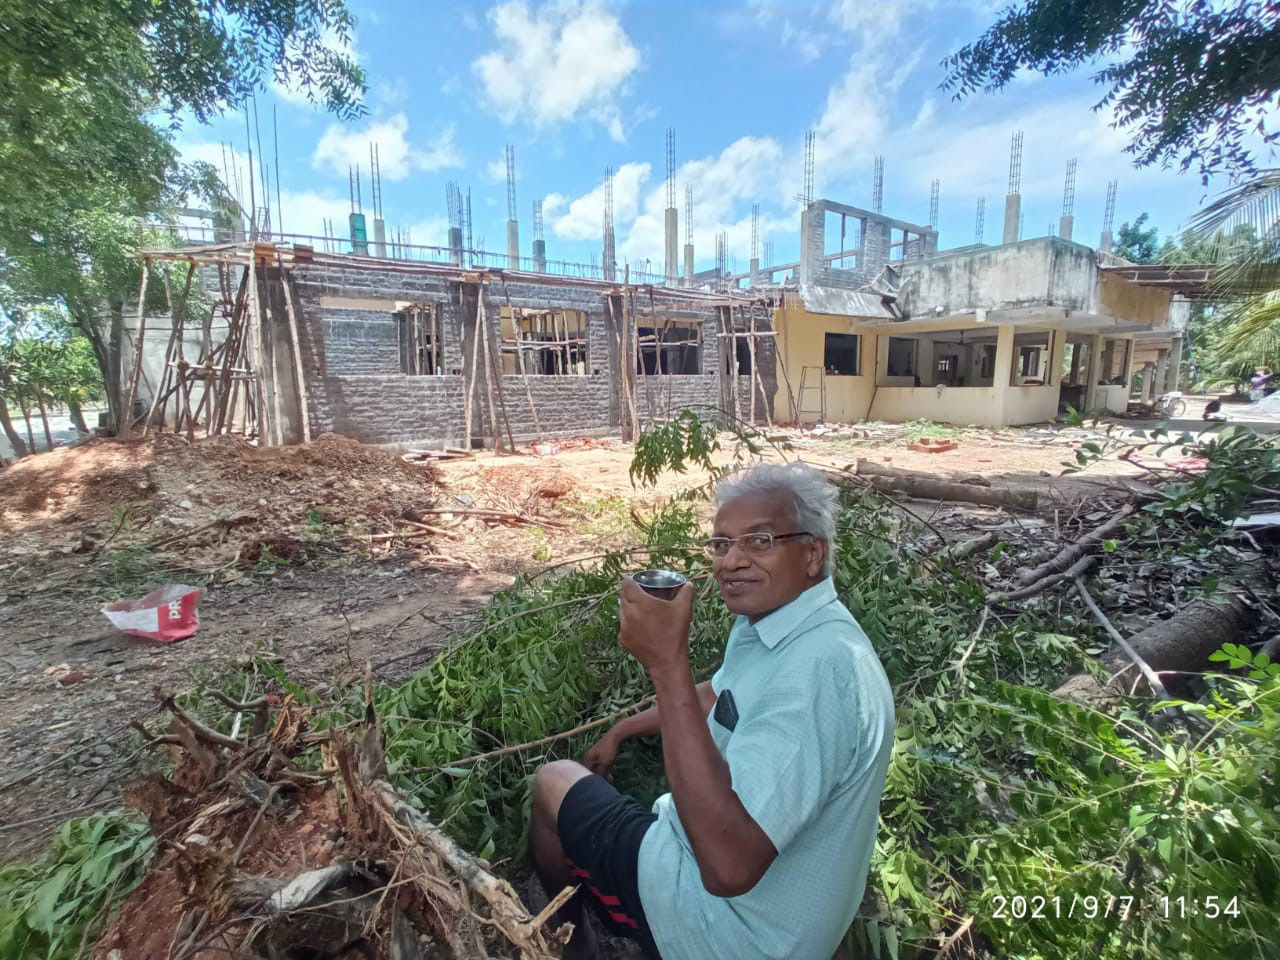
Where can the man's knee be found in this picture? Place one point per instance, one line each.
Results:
(550, 784)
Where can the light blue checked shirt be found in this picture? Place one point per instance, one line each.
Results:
(808, 757)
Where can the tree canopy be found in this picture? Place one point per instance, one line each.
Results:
(90, 94)
(1190, 79)
(1137, 242)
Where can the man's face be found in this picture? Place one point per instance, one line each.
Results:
(754, 585)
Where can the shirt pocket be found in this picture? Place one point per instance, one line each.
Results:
(723, 720)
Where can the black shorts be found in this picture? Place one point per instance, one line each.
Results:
(600, 830)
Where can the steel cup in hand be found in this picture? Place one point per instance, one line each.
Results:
(661, 583)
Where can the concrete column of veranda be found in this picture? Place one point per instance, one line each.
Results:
(1095, 368)
(1003, 379)
(1175, 366)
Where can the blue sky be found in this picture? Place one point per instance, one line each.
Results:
(577, 87)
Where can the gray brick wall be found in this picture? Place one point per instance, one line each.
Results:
(351, 360)
(361, 341)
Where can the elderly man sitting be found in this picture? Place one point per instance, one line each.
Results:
(776, 765)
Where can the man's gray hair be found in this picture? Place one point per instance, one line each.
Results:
(812, 496)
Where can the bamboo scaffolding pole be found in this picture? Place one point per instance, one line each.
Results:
(626, 402)
(233, 346)
(295, 338)
(524, 374)
(175, 318)
(751, 359)
(218, 417)
(469, 382)
(269, 371)
(137, 358)
(634, 329)
(488, 385)
(254, 329)
(493, 364)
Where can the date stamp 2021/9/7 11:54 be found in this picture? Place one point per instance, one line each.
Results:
(1039, 907)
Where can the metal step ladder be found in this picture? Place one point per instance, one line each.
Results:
(806, 375)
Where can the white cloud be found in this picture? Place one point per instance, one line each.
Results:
(724, 187)
(555, 62)
(432, 232)
(583, 217)
(305, 212)
(342, 147)
(496, 169)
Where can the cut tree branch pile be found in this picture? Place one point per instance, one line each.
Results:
(261, 858)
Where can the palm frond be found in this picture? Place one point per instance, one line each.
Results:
(1241, 229)
(1253, 336)
(1255, 202)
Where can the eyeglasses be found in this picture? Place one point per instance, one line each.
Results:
(755, 544)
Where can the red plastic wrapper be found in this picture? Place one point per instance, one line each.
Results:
(164, 615)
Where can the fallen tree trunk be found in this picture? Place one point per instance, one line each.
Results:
(869, 468)
(1069, 554)
(931, 488)
(1176, 646)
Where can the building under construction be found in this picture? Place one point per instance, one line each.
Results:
(392, 343)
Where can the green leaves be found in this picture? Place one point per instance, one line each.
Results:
(51, 908)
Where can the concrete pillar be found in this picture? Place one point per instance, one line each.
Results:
(755, 271)
(455, 246)
(1095, 368)
(379, 237)
(1162, 371)
(610, 260)
(1175, 366)
(1148, 381)
(924, 361)
(1012, 217)
(513, 244)
(540, 256)
(812, 228)
(672, 241)
(1003, 375)
(1065, 226)
(1104, 244)
(688, 264)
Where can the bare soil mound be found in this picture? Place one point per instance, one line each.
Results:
(165, 488)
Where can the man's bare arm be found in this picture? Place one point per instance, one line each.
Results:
(732, 851)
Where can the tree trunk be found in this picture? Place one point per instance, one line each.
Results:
(15, 440)
(1180, 645)
(925, 487)
(76, 413)
(114, 375)
(26, 416)
(44, 420)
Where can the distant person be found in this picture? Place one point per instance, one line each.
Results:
(776, 764)
(1260, 384)
(1212, 411)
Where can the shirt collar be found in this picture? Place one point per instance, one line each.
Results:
(783, 622)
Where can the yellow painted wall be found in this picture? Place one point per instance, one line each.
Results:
(801, 342)
(973, 406)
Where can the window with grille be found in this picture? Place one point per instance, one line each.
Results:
(421, 332)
